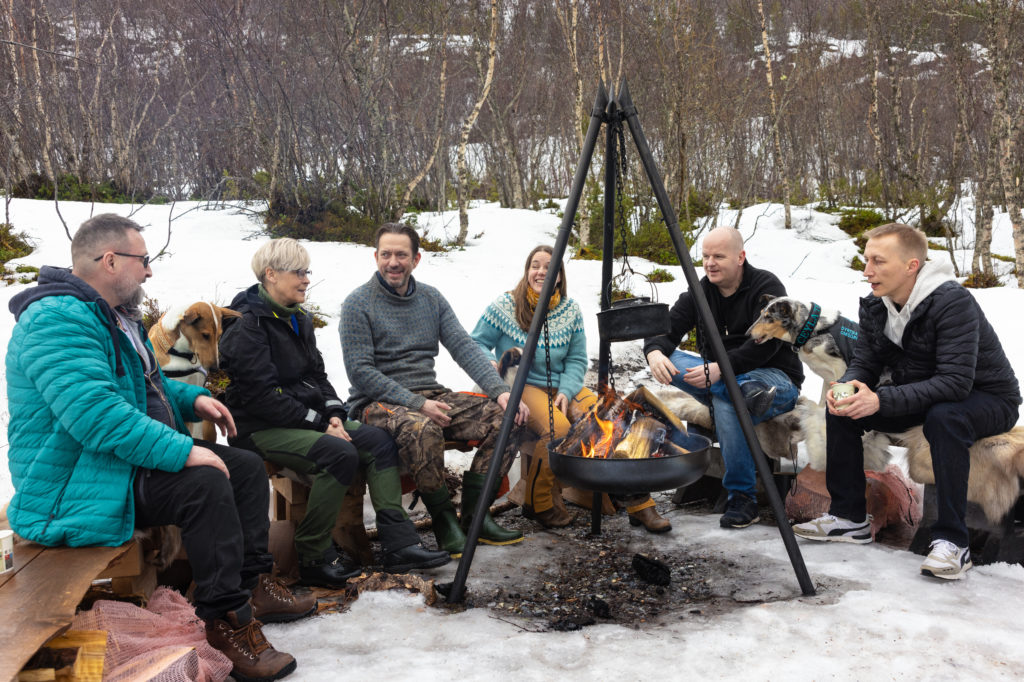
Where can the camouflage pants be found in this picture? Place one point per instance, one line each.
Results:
(474, 417)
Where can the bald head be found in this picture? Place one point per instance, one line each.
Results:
(723, 259)
(727, 238)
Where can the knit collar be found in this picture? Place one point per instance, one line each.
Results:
(277, 308)
(408, 292)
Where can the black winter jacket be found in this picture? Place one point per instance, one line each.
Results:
(733, 316)
(277, 376)
(949, 349)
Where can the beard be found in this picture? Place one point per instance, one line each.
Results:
(130, 293)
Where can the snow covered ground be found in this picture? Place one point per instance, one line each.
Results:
(874, 616)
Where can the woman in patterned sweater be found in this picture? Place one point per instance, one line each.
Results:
(504, 325)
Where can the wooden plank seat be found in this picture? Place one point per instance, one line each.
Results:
(291, 493)
(39, 597)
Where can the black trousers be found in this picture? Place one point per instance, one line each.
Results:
(224, 523)
(949, 428)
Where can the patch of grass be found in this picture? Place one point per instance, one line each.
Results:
(855, 221)
(151, 312)
(319, 318)
(334, 222)
(12, 244)
(857, 264)
(27, 268)
(217, 383)
(937, 246)
(1005, 259)
(981, 280)
(659, 275)
(588, 253)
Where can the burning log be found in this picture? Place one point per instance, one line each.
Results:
(634, 427)
(643, 437)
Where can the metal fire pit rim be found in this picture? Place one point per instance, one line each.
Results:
(631, 476)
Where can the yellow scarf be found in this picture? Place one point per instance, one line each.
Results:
(532, 296)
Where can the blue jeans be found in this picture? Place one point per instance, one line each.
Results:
(740, 471)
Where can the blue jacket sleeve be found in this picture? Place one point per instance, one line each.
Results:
(486, 335)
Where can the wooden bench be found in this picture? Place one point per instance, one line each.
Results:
(39, 598)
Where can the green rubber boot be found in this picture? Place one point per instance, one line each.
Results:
(490, 533)
(444, 522)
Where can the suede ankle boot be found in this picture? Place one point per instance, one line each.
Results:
(273, 602)
(490, 533)
(444, 522)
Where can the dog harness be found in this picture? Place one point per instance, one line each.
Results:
(807, 330)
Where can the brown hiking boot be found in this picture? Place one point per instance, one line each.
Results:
(549, 518)
(273, 602)
(251, 655)
(651, 520)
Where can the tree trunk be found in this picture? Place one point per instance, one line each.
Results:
(462, 169)
(780, 159)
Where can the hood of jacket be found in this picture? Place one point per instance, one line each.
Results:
(932, 275)
(61, 282)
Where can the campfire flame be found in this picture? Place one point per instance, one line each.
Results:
(603, 444)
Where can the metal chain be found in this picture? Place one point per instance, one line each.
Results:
(702, 349)
(547, 363)
(620, 206)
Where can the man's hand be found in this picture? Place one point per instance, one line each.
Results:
(437, 412)
(336, 428)
(561, 403)
(522, 414)
(695, 375)
(199, 456)
(661, 367)
(863, 403)
(214, 410)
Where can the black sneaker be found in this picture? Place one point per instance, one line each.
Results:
(740, 512)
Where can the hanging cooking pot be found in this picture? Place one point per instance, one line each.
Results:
(633, 318)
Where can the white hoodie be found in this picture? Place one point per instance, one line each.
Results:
(931, 275)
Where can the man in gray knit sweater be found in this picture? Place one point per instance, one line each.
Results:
(390, 329)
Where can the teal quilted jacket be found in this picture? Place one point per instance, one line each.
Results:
(78, 427)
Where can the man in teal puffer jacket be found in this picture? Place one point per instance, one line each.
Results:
(97, 444)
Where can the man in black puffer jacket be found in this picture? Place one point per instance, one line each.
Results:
(949, 373)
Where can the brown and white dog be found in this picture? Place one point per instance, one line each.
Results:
(185, 342)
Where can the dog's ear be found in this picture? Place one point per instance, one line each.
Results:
(228, 312)
(191, 316)
(765, 300)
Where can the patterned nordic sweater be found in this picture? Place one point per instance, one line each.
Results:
(389, 343)
(498, 330)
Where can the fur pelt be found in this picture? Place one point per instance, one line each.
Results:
(778, 436)
(997, 463)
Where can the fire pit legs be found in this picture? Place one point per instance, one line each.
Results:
(595, 514)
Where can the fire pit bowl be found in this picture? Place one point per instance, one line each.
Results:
(634, 476)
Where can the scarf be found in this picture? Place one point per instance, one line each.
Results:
(533, 297)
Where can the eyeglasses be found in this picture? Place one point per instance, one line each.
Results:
(144, 258)
(301, 273)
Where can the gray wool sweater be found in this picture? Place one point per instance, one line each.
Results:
(389, 343)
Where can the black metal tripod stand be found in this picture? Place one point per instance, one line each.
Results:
(615, 112)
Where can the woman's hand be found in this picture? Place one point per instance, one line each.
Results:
(561, 403)
(337, 429)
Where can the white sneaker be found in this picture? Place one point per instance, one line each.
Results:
(947, 561)
(834, 529)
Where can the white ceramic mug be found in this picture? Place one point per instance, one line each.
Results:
(7, 549)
